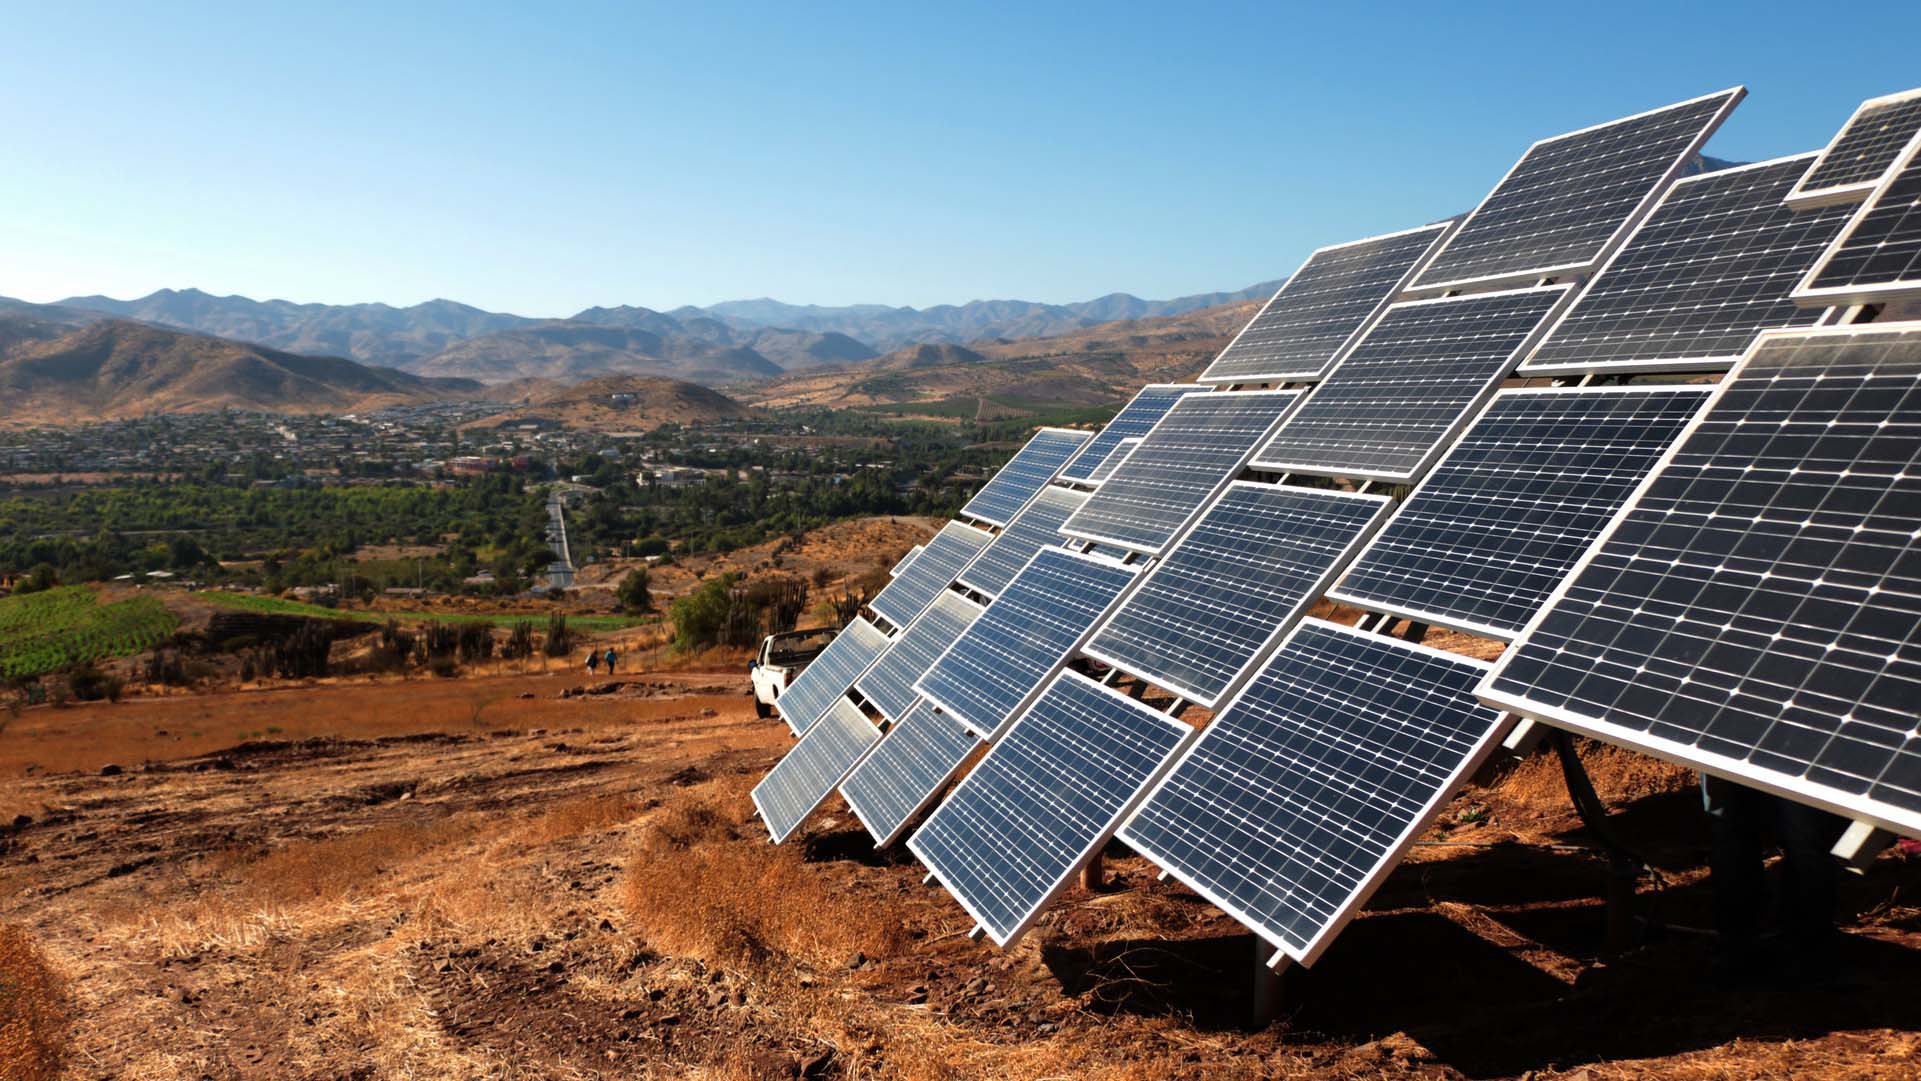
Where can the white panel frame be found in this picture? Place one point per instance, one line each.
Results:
(1418, 287)
(1681, 754)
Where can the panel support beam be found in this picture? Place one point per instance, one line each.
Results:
(1860, 844)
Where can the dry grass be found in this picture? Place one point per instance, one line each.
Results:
(576, 817)
(699, 886)
(33, 1010)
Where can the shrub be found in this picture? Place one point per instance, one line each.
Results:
(634, 595)
(443, 666)
(520, 641)
(560, 640)
(476, 642)
(439, 640)
(90, 684)
(700, 616)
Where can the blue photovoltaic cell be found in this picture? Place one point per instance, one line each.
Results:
(1327, 301)
(811, 769)
(1300, 797)
(1753, 610)
(1045, 796)
(1501, 520)
(916, 586)
(1253, 562)
(889, 683)
(1023, 636)
(907, 768)
(1132, 422)
(1037, 526)
(1191, 454)
(1024, 474)
(830, 674)
(1569, 197)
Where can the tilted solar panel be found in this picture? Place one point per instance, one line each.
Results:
(995, 669)
(1037, 526)
(1714, 265)
(916, 586)
(1321, 308)
(1114, 461)
(1499, 521)
(1011, 835)
(1228, 588)
(889, 682)
(1189, 456)
(1024, 474)
(1861, 152)
(1569, 198)
(1385, 411)
(1302, 795)
(1149, 404)
(1877, 257)
(812, 768)
(1753, 610)
(912, 554)
(830, 674)
(920, 754)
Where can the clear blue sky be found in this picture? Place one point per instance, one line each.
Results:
(901, 154)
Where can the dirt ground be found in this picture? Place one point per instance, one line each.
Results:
(482, 878)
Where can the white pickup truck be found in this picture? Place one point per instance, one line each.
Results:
(780, 660)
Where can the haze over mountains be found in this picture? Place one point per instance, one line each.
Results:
(729, 342)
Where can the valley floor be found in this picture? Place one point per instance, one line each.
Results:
(398, 884)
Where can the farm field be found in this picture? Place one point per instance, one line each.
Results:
(69, 625)
(479, 878)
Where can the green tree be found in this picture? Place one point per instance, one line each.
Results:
(634, 595)
(700, 616)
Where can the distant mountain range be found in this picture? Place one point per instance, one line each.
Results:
(735, 341)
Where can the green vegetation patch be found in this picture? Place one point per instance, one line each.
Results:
(57, 628)
(280, 606)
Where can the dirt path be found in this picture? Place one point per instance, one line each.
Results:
(571, 888)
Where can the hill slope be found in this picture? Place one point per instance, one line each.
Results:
(114, 369)
(565, 350)
(615, 403)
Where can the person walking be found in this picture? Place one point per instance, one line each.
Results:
(593, 661)
(611, 658)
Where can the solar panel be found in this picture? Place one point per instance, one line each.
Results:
(812, 768)
(829, 675)
(1189, 456)
(889, 684)
(1113, 462)
(1302, 795)
(1877, 257)
(912, 554)
(1753, 610)
(1049, 793)
(994, 670)
(1710, 268)
(1134, 420)
(1321, 308)
(916, 586)
(1024, 474)
(1387, 408)
(1500, 520)
(1037, 526)
(1861, 152)
(920, 754)
(1569, 198)
(1232, 584)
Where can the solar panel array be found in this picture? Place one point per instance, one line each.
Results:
(1321, 308)
(1134, 420)
(889, 683)
(1385, 410)
(1753, 611)
(1190, 455)
(995, 668)
(1024, 474)
(807, 774)
(1877, 257)
(1861, 151)
(830, 674)
(1500, 520)
(1043, 799)
(1568, 198)
(1300, 796)
(1710, 268)
(1037, 526)
(1232, 584)
(916, 586)
(919, 755)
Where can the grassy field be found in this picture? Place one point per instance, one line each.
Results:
(280, 606)
(46, 631)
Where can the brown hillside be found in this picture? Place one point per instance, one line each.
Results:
(114, 369)
(616, 403)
